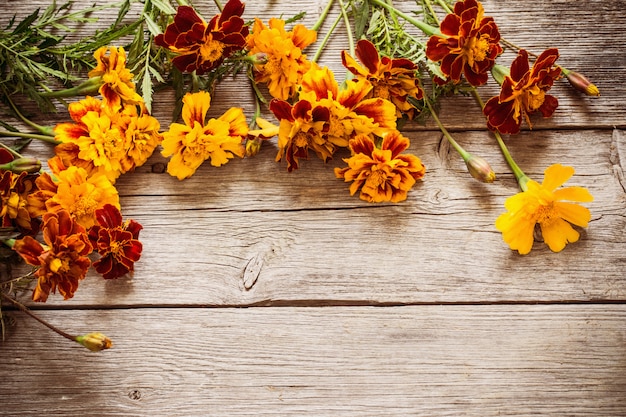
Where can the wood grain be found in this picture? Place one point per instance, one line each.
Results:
(566, 360)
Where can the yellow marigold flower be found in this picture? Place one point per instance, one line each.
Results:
(106, 140)
(192, 143)
(381, 174)
(82, 195)
(117, 80)
(543, 204)
(284, 64)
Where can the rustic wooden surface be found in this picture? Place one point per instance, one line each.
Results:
(262, 292)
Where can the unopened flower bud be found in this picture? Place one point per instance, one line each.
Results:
(480, 169)
(253, 146)
(25, 164)
(259, 58)
(581, 83)
(95, 342)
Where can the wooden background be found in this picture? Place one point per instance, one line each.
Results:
(262, 292)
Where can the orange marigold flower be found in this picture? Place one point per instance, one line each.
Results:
(283, 63)
(199, 46)
(469, 43)
(543, 204)
(106, 140)
(351, 112)
(63, 262)
(117, 80)
(192, 143)
(116, 242)
(524, 93)
(382, 174)
(301, 128)
(391, 79)
(81, 195)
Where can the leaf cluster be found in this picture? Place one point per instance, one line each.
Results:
(33, 53)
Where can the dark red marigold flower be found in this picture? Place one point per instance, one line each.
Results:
(116, 242)
(202, 47)
(469, 43)
(524, 93)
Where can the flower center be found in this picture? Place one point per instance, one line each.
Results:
(59, 265)
(378, 177)
(476, 49)
(84, 206)
(211, 50)
(545, 214)
(534, 98)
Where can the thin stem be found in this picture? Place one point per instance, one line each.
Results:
(45, 138)
(517, 48)
(42, 129)
(444, 6)
(424, 27)
(346, 20)
(320, 49)
(432, 11)
(25, 310)
(316, 27)
(219, 5)
(11, 151)
(520, 176)
(464, 154)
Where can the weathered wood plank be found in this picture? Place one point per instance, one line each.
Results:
(418, 361)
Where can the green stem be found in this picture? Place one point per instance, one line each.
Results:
(90, 86)
(320, 49)
(44, 138)
(520, 176)
(346, 20)
(424, 27)
(25, 310)
(219, 5)
(432, 11)
(11, 151)
(42, 129)
(444, 6)
(316, 27)
(464, 154)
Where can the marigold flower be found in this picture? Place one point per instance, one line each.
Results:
(116, 242)
(15, 210)
(266, 130)
(283, 63)
(469, 43)
(192, 143)
(524, 93)
(302, 127)
(106, 140)
(543, 204)
(391, 79)
(199, 46)
(81, 195)
(117, 81)
(351, 112)
(382, 174)
(63, 262)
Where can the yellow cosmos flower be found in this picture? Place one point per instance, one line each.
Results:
(81, 195)
(382, 174)
(117, 80)
(194, 142)
(283, 63)
(544, 204)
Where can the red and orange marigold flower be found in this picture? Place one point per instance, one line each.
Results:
(381, 174)
(391, 79)
(468, 44)
(524, 93)
(116, 242)
(201, 46)
(63, 261)
(116, 80)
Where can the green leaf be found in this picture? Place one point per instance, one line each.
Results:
(27, 22)
(154, 29)
(163, 6)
